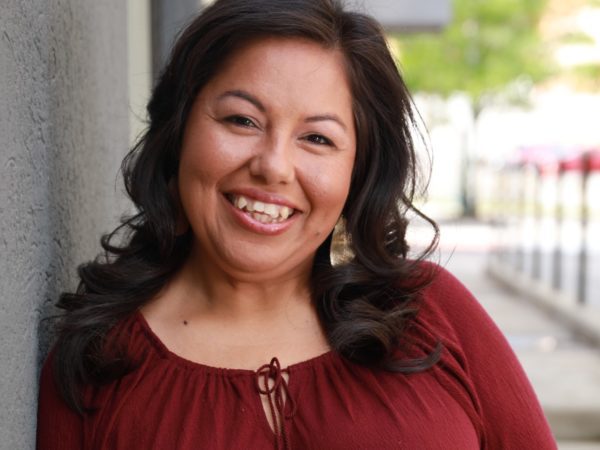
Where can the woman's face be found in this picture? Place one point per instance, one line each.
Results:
(267, 158)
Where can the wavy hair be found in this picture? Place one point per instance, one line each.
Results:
(364, 304)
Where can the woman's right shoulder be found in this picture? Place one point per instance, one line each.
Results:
(59, 426)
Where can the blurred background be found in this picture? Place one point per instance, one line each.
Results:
(509, 92)
(509, 96)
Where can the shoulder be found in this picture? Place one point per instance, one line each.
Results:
(58, 427)
(449, 315)
(451, 311)
(445, 289)
(478, 365)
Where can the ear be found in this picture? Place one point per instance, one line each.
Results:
(181, 223)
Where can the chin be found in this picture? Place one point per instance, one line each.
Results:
(263, 268)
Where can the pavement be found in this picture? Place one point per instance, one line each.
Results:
(562, 365)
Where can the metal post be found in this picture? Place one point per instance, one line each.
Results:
(522, 215)
(583, 251)
(558, 211)
(537, 224)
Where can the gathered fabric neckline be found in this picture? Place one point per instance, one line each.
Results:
(164, 351)
(269, 381)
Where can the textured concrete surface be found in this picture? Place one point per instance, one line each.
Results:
(582, 319)
(63, 132)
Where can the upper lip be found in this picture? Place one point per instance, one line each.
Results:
(265, 197)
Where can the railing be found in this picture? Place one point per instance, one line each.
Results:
(547, 207)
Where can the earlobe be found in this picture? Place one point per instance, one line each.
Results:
(182, 225)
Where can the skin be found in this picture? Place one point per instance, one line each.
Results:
(277, 122)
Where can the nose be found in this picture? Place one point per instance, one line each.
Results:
(273, 162)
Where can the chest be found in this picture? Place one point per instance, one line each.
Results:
(334, 409)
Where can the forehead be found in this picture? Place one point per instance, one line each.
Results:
(286, 69)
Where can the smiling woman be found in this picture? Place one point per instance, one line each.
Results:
(216, 318)
(273, 129)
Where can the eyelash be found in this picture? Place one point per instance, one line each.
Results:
(313, 138)
(242, 121)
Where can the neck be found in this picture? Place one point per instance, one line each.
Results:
(225, 321)
(203, 289)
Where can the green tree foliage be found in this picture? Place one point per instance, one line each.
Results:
(488, 45)
(587, 76)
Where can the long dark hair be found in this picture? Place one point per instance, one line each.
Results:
(364, 304)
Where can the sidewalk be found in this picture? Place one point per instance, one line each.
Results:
(564, 371)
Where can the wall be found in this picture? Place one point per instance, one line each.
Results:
(63, 131)
(139, 59)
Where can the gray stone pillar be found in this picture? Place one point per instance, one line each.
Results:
(63, 132)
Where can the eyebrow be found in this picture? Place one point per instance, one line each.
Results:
(238, 93)
(331, 117)
(244, 96)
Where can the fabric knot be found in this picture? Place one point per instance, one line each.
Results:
(271, 383)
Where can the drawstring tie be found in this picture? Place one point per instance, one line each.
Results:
(276, 394)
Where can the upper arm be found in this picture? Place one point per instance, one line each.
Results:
(59, 427)
(511, 416)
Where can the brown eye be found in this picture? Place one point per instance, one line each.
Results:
(319, 139)
(241, 121)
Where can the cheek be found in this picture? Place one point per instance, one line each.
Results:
(210, 157)
(329, 190)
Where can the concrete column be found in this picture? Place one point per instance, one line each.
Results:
(63, 132)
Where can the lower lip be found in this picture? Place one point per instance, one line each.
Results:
(255, 226)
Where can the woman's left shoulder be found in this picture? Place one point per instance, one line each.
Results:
(449, 307)
(444, 288)
(450, 315)
(475, 352)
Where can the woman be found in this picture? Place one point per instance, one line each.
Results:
(218, 321)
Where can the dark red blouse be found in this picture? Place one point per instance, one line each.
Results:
(476, 397)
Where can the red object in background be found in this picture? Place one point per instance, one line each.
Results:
(545, 159)
(573, 164)
(549, 159)
(594, 160)
(585, 161)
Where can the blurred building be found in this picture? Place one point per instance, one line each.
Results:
(560, 112)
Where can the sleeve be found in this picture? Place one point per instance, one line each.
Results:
(59, 427)
(509, 411)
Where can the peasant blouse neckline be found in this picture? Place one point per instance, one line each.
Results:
(162, 349)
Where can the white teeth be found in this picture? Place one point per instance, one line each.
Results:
(285, 212)
(259, 206)
(261, 218)
(241, 202)
(272, 210)
(262, 212)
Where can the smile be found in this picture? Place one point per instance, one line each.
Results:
(266, 213)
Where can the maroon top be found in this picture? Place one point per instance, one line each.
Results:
(476, 397)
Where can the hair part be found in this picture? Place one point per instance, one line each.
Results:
(365, 304)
